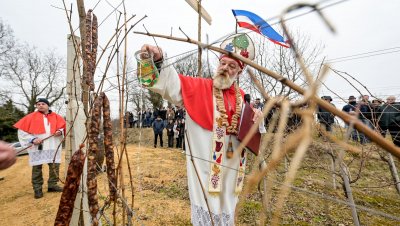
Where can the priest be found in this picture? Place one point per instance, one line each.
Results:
(213, 116)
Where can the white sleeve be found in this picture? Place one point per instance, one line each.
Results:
(25, 138)
(169, 84)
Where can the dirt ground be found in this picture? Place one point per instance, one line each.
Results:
(17, 205)
(161, 194)
(153, 172)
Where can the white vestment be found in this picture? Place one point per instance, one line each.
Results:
(199, 140)
(48, 153)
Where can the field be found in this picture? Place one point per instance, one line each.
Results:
(161, 196)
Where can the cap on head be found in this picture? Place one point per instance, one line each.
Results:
(43, 100)
(240, 44)
(327, 98)
(352, 97)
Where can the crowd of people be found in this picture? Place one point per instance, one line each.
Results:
(171, 118)
(381, 116)
(145, 118)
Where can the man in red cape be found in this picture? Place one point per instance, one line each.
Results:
(42, 130)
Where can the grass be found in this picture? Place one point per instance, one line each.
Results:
(370, 189)
(175, 191)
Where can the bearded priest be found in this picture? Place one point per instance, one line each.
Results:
(214, 106)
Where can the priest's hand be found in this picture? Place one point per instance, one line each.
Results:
(157, 51)
(7, 155)
(58, 133)
(37, 141)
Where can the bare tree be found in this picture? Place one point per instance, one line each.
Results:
(7, 44)
(155, 99)
(136, 94)
(282, 61)
(188, 65)
(7, 41)
(139, 98)
(31, 74)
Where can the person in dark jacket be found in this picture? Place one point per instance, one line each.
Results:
(147, 115)
(325, 118)
(375, 105)
(179, 114)
(182, 133)
(170, 133)
(350, 107)
(180, 127)
(163, 113)
(258, 104)
(158, 127)
(131, 120)
(364, 109)
(389, 119)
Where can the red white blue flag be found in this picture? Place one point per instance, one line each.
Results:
(255, 23)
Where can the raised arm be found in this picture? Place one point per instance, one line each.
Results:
(167, 83)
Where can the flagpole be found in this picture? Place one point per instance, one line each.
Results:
(236, 27)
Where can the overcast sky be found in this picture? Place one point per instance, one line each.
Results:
(368, 30)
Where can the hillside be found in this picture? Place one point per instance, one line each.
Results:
(161, 196)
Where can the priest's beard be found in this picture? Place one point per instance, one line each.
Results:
(222, 80)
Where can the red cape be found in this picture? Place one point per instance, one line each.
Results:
(33, 123)
(198, 100)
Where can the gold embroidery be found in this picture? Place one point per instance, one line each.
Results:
(219, 122)
(232, 129)
(216, 169)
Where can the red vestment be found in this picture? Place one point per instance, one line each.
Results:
(33, 123)
(197, 94)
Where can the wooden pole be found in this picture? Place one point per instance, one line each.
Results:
(393, 171)
(83, 206)
(72, 91)
(199, 71)
(76, 129)
(349, 193)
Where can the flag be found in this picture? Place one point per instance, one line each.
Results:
(255, 23)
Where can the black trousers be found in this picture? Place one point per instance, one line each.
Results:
(178, 142)
(171, 141)
(155, 139)
(37, 176)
